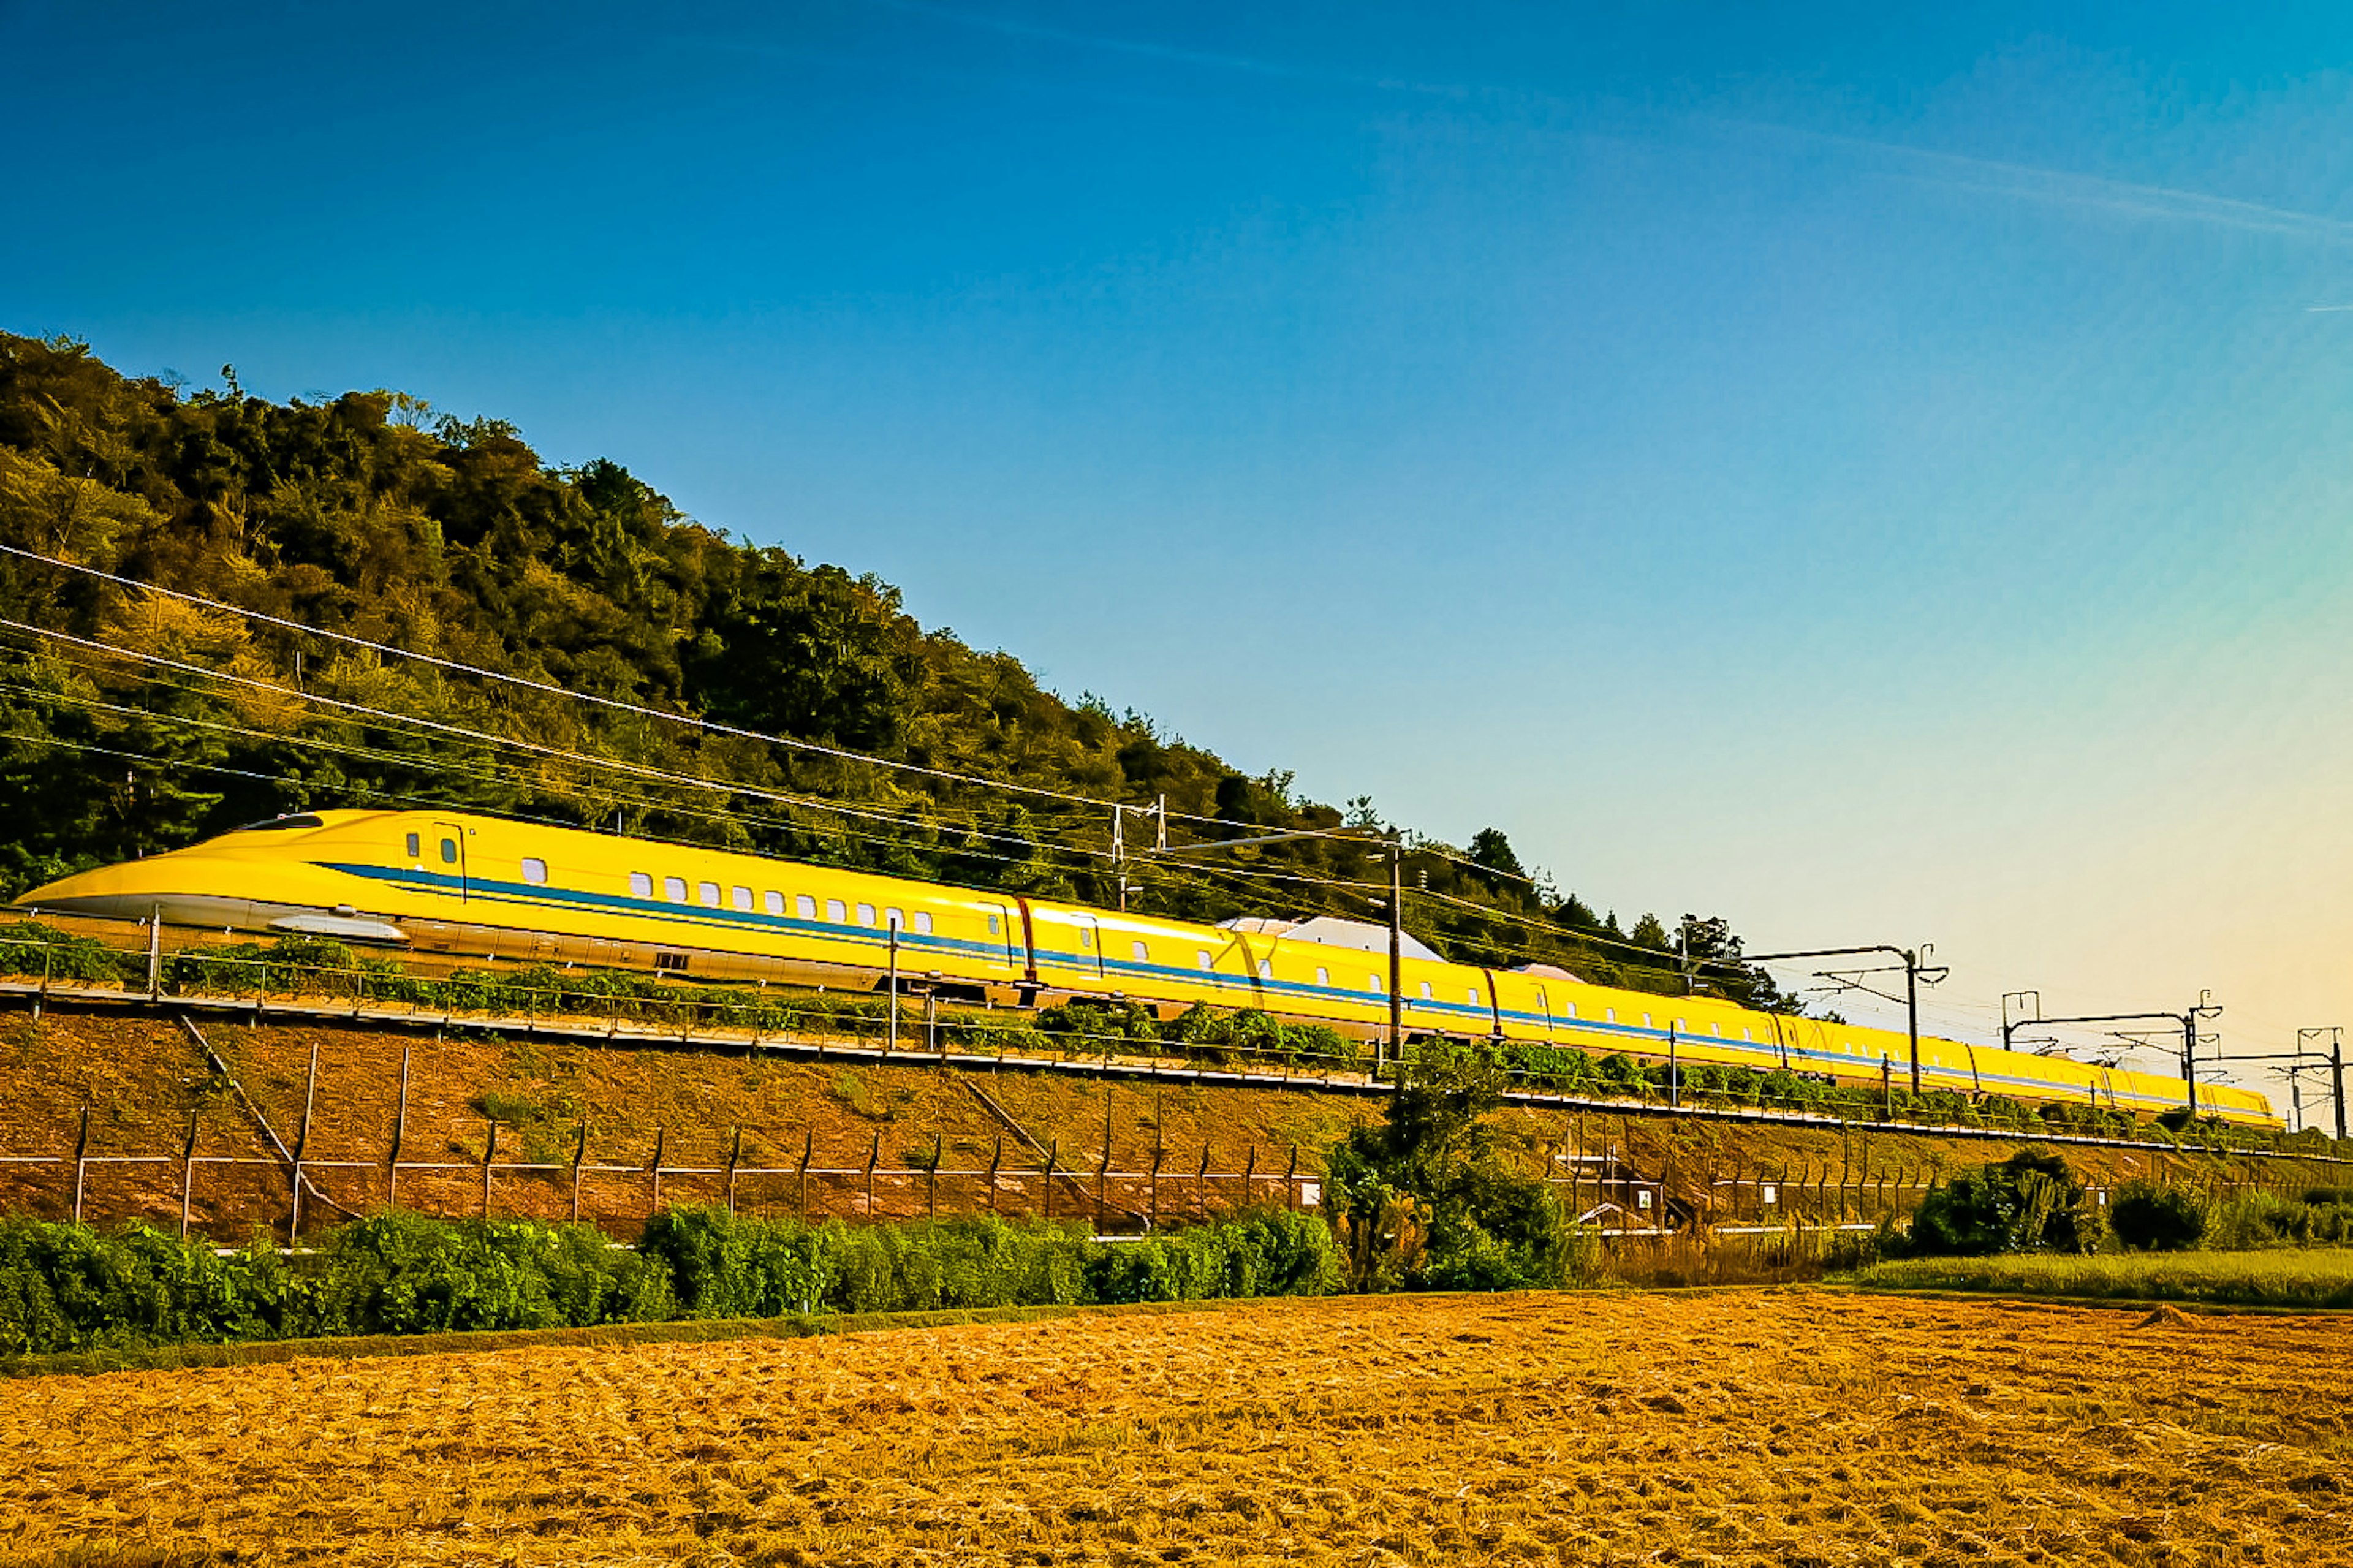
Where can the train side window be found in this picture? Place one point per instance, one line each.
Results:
(772, 902)
(922, 922)
(1373, 983)
(1086, 939)
(740, 897)
(836, 910)
(1474, 996)
(674, 889)
(1572, 1009)
(1612, 1012)
(1747, 1036)
(1266, 969)
(1646, 1020)
(1143, 955)
(415, 846)
(866, 914)
(534, 871)
(805, 907)
(895, 919)
(640, 885)
(707, 893)
(1425, 990)
(1323, 977)
(449, 852)
(1201, 958)
(1682, 1027)
(1714, 1030)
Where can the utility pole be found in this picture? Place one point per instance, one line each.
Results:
(1396, 946)
(1119, 852)
(1914, 969)
(2336, 1065)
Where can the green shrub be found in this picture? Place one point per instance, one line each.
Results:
(29, 948)
(64, 1288)
(2149, 1218)
(2031, 1202)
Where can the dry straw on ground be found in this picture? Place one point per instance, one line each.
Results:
(1793, 1426)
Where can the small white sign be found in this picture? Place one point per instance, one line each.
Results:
(1310, 1194)
(1772, 1194)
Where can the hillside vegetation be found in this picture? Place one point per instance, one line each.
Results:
(370, 516)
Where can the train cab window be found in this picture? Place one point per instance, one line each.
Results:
(1266, 969)
(772, 902)
(1323, 977)
(1201, 959)
(1612, 1014)
(534, 871)
(1086, 939)
(449, 852)
(1143, 954)
(836, 910)
(1474, 996)
(415, 846)
(1747, 1036)
(805, 907)
(866, 914)
(741, 898)
(1646, 1020)
(1425, 990)
(1714, 1030)
(895, 919)
(674, 889)
(640, 885)
(707, 894)
(1373, 983)
(922, 922)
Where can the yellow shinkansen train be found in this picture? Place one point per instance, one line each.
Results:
(463, 884)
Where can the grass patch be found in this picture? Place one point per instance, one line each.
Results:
(2271, 1278)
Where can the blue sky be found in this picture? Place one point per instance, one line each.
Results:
(1875, 476)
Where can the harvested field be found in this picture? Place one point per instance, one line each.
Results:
(1789, 1426)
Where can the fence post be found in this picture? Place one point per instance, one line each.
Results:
(873, 1155)
(1290, 1177)
(890, 1038)
(81, 1155)
(808, 1146)
(931, 1181)
(399, 1129)
(735, 1158)
(1887, 1087)
(155, 955)
(1674, 1073)
(995, 1160)
(1052, 1145)
(661, 1137)
(1249, 1175)
(1201, 1186)
(1154, 1205)
(579, 1154)
(187, 1175)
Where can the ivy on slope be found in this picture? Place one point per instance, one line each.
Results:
(366, 515)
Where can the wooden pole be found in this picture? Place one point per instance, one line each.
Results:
(399, 1129)
(995, 1160)
(1154, 1205)
(490, 1153)
(873, 1155)
(302, 1141)
(187, 1175)
(735, 1158)
(82, 1166)
(662, 1137)
(891, 1040)
(1103, 1172)
(1290, 1179)
(1249, 1175)
(809, 1147)
(1052, 1145)
(1201, 1186)
(932, 1181)
(579, 1154)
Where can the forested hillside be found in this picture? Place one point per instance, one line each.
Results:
(131, 721)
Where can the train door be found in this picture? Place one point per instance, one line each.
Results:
(450, 854)
(1090, 938)
(1000, 935)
